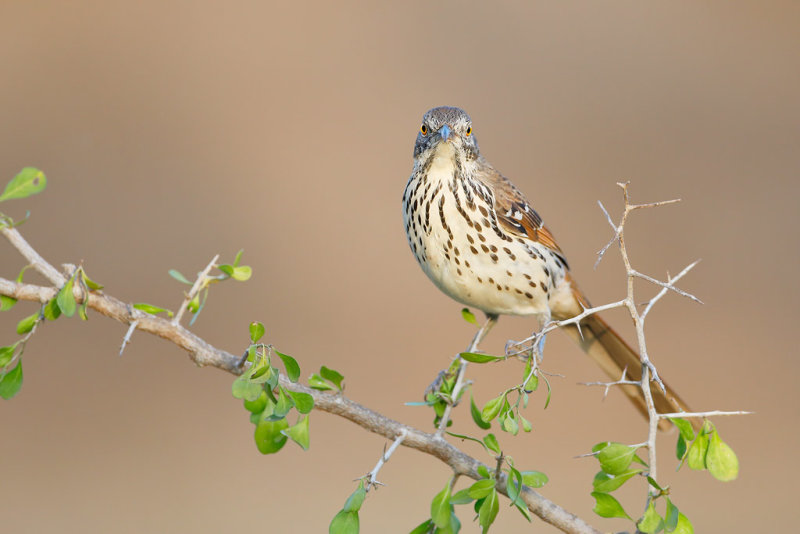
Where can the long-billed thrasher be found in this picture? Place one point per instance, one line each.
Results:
(479, 240)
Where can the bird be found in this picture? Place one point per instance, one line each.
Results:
(481, 242)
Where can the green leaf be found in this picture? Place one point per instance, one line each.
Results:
(317, 382)
(242, 273)
(671, 517)
(697, 452)
(260, 372)
(256, 331)
(475, 357)
(721, 461)
(476, 415)
(493, 407)
(299, 433)
(441, 507)
(284, 404)
(356, 499)
(7, 354)
(269, 437)
(22, 273)
(491, 443)
(91, 284)
(243, 388)
(523, 509)
(531, 381)
(82, 310)
(680, 447)
(651, 522)
(11, 382)
(514, 484)
(194, 304)
(483, 471)
(179, 277)
(423, 528)
(549, 392)
(534, 479)
(149, 308)
(66, 300)
(615, 458)
(27, 324)
(258, 405)
(605, 483)
(344, 523)
(470, 438)
(331, 374)
(655, 484)
(469, 316)
(461, 497)
(51, 310)
(6, 303)
(684, 526)
(481, 488)
(238, 257)
(302, 401)
(608, 506)
(509, 424)
(488, 510)
(685, 427)
(292, 368)
(28, 182)
(526, 425)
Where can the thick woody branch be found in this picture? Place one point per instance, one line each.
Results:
(204, 354)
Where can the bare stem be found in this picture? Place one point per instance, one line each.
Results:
(199, 284)
(372, 477)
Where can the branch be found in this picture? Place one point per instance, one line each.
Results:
(372, 477)
(205, 354)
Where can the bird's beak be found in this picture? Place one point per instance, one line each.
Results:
(444, 132)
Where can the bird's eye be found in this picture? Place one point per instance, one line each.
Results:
(469, 131)
(423, 129)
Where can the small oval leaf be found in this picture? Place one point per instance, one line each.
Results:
(29, 181)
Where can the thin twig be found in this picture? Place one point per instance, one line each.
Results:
(608, 385)
(712, 413)
(372, 477)
(462, 368)
(199, 283)
(128, 334)
(664, 290)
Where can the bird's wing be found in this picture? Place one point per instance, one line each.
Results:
(515, 214)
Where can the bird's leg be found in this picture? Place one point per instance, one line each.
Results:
(538, 347)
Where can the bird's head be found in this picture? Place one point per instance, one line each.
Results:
(446, 128)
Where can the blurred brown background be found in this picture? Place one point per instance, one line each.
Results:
(171, 131)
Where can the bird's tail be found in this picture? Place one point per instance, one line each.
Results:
(601, 343)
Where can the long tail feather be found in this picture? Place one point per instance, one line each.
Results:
(601, 343)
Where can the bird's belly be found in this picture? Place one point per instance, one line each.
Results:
(479, 269)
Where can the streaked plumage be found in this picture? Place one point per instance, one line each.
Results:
(481, 242)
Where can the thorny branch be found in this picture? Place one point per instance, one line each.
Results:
(204, 354)
(649, 371)
(372, 477)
